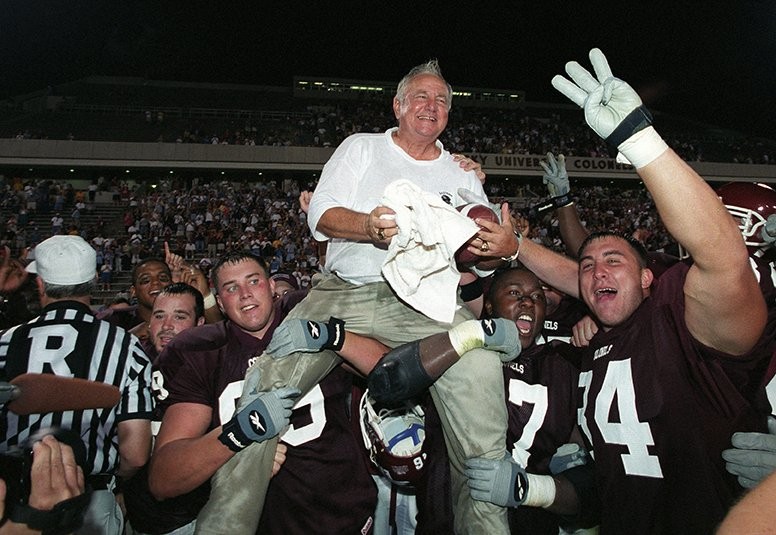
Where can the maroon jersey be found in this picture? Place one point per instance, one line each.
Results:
(658, 409)
(205, 365)
(540, 389)
(558, 325)
(765, 272)
(324, 486)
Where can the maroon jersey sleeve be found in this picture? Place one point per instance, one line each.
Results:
(186, 368)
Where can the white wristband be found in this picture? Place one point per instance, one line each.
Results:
(466, 336)
(541, 491)
(641, 148)
(210, 301)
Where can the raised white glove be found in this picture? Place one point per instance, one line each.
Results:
(612, 109)
(753, 456)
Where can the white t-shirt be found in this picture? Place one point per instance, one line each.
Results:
(356, 176)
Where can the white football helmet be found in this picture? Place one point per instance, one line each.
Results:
(394, 439)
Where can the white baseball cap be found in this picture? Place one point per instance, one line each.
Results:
(64, 260)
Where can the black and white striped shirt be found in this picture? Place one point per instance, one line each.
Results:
(67, 340)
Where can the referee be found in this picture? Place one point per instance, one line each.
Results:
(67, 340)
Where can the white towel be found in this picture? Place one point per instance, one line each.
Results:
(420, 264)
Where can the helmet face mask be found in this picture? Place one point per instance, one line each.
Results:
(750, 204)
(750, 223)
(394, 439)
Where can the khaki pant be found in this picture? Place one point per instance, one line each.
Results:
(469, 398)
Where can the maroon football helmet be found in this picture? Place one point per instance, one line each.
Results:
(750, 204)
(394, 438)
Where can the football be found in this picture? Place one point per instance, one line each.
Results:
(464, 258)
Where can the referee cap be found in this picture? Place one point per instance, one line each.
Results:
(64, 260)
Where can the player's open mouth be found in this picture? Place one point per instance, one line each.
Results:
(426, 118)
(603, 292)
(524, 323)
(248, 307)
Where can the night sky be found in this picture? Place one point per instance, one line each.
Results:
(707, 60)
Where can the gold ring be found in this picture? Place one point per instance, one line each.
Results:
(485, 247)
(381, 234)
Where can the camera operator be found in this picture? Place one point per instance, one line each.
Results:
(55, 477)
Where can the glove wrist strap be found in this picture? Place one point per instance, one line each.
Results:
(562, 200)
(552, 203)
(336, 329)
(635, 121)
(233, 437)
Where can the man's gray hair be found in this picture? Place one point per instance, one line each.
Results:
(59, 291)
(430, 67)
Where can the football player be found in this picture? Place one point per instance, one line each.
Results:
(540, 388)
(753, 207)
(203, 372)
(672, 359)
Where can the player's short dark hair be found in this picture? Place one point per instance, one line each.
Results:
(636, 245)
(181, 288)
(499, 276)
(148, 261)
(235, 257)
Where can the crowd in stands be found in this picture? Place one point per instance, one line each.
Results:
(202, 221)
(471, 130)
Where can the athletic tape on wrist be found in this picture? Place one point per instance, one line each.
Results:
(466, 336)
(541, 491)
(643, 147)
(209, 301)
